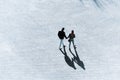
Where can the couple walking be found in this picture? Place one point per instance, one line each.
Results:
(62, 35)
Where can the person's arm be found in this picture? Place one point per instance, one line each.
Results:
(68, 36)
(74, 35)
(65, 36)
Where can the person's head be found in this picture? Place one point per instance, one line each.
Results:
(72, 31)
(62, 29)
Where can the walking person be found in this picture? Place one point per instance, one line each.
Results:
(61, 35)
(71, 37)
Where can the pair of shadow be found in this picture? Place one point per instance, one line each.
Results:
(75, 59)
(98, 3)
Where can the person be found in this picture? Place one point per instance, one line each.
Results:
(61, 35)
(71, 37)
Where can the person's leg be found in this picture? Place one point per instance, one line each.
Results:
(69, 44)
(73, 42)
(60, 43)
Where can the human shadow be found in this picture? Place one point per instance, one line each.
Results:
(81, 1)
(76, 58)
(69, 61)
(98, 3)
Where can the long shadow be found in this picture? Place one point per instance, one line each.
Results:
(81, 2)
(69, 61)
(76, 58)
(98, 3)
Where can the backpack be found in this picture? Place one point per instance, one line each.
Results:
(60, 34)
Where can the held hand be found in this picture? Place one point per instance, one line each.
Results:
(66, 37)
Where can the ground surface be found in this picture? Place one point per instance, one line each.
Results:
(29, 42)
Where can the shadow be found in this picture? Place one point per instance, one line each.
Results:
(81, 1)
(69, 61)
(98, 3)
(77, 59)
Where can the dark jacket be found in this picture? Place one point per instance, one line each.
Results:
(61, 34)
(71, 36)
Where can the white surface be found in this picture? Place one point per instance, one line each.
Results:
(29, 42)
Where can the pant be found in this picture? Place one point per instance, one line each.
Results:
(72, 40)
(61, 43)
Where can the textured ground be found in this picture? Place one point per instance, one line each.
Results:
(29, 42)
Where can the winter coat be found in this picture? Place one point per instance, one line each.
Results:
(71, 37)
(61, 34)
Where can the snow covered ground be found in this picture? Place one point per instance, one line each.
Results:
(29, 42)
